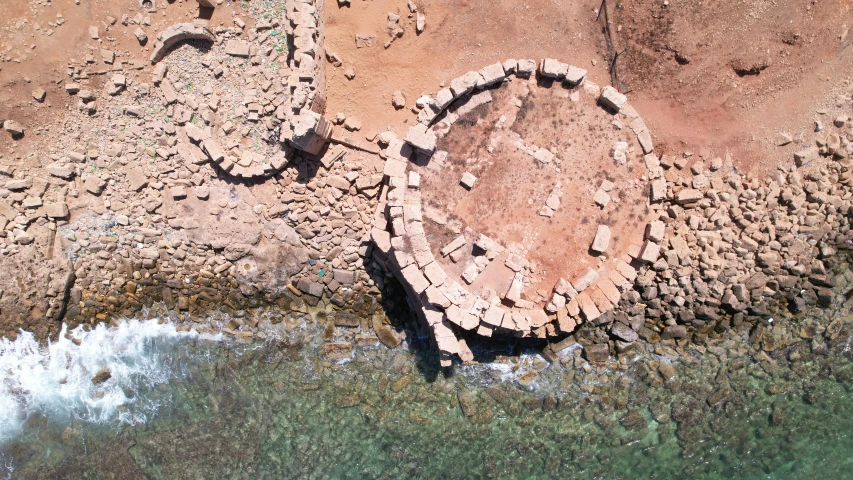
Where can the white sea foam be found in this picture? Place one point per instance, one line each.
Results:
(55, 380)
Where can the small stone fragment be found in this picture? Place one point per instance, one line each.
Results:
(398, 100)
(141, 36)
(14, 128)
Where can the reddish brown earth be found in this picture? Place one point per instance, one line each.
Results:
(702, 106)
(705, 104)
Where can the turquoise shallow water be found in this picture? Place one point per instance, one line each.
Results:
(278, 409)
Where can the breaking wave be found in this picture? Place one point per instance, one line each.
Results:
(57, 381)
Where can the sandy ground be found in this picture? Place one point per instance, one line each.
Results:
(702, 106)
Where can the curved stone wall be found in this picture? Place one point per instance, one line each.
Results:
(302, 124)
(445, 304)
(178, 33)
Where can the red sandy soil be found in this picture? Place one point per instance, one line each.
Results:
(702, 106)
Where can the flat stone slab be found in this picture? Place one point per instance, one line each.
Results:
(468, 180)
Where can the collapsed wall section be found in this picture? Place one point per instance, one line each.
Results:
(307, 82)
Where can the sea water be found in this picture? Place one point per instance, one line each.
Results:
(184, 405)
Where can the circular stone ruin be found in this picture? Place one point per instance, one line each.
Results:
(517, 206)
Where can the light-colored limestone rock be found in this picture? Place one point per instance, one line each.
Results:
(611, 98)
(585, 279)
(602, 239)
(468, 180)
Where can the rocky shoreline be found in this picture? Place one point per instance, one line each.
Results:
(198, 183)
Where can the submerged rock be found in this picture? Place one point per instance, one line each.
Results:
(102, 376)
(388, 337)
(336, 351)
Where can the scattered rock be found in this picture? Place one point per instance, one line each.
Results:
(237, 48)
(398, 100)
(602, 239)
(365, 41)
(597, 352)
(14, 128)
(141, 36)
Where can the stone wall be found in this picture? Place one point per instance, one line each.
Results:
(307, 83)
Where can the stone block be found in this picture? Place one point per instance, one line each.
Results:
(434, 297)
(525, 68)
(645, 139)
(420, 138)
(587, 306)
(649, 252)
(601, 198)
(597, 352)
(311, 132)
(435, 274)
(457, 243)
(468, 180)
(237, 48)
(552, 68)
(494, 316)
(513, 294)
(443, 98)
(575, 75)
(413, 276)
(608, 288)
(655, 231)
(585, 279)
(610, 97)
(492, 74)
(658, 190)
(689, 195)
(344, 277)
(56, 210)
(602, 239)
(464, 84)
